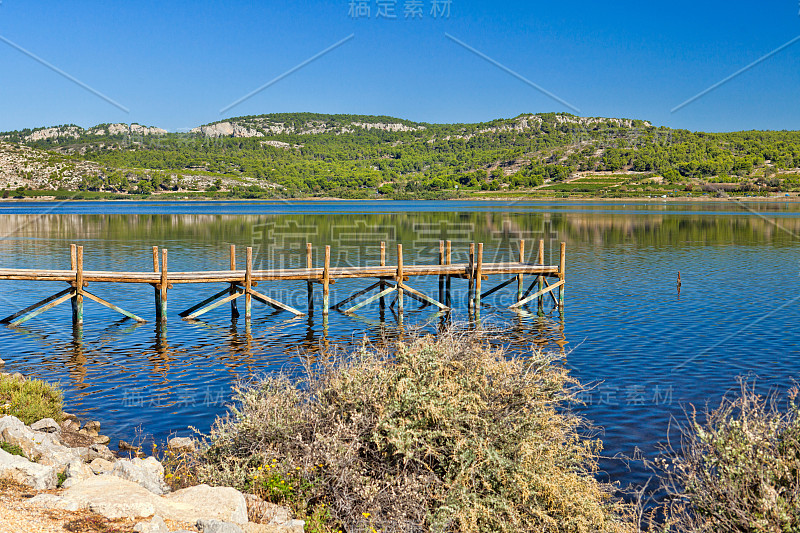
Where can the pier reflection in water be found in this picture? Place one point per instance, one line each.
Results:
(162, 386)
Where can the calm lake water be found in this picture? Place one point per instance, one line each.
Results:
(648, 350)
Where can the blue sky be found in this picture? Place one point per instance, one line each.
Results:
(176, 64)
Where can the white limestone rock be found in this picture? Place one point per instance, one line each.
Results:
(181, 444)
(156, 525)
(25, 472)
(52, 501)
(101, 466)
(99, 451)
(148, 473)
(46, 425)
(112, 497)
(217, 526)
(221, 503)
(44, 448)
(76, 472)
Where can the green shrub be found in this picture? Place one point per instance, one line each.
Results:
(30, 399)
(13, 449)
(444, 434)
(737, 471)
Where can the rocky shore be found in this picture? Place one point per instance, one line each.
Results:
(69, 469)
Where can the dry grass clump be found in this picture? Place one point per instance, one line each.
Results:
(97, 524)
(737, 471)
(180, 468)
(445, 434)
(30, 400)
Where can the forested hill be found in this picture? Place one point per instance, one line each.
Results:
(353, 156)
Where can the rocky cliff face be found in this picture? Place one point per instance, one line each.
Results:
(259, 126)
(587, 121)
(262, 126)
(72, 132)
(21, 166)
(386, 127)
(226, 129)
(279, 144)
(534, 122)
(131, 129)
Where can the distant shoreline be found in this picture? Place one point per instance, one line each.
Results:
(672, 199)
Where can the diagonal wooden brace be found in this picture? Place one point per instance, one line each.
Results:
(552, 295)
(41, 310)
(414, 293)
(110, 305)
(214, 305)
(49, 299)
(495, 289)
(359, 293)
(207, 301)
(371, 299)
(536, 295)
(274, 303)
(538, 279)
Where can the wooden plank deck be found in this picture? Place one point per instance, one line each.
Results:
(232, 276)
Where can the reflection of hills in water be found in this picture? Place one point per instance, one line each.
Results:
(419, 232)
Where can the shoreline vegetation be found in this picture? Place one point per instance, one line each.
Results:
(55, 477)
(48, 196)
(285, 156)
(443, 433)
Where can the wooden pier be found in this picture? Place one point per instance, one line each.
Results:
(390, 279)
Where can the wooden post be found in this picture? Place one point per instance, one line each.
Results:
(326, 281)
(471, 294)
(77, 314)
(441, 278)
(161, 339)
(164, 285)
(310, 284)
(248, 282)
(561, 264)
(156, 291)
(382, 286)
(73, 261)
(520, 277)
(478, 275)
(400, 279)
(448, 258)
(540, 260)
(234, 306)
